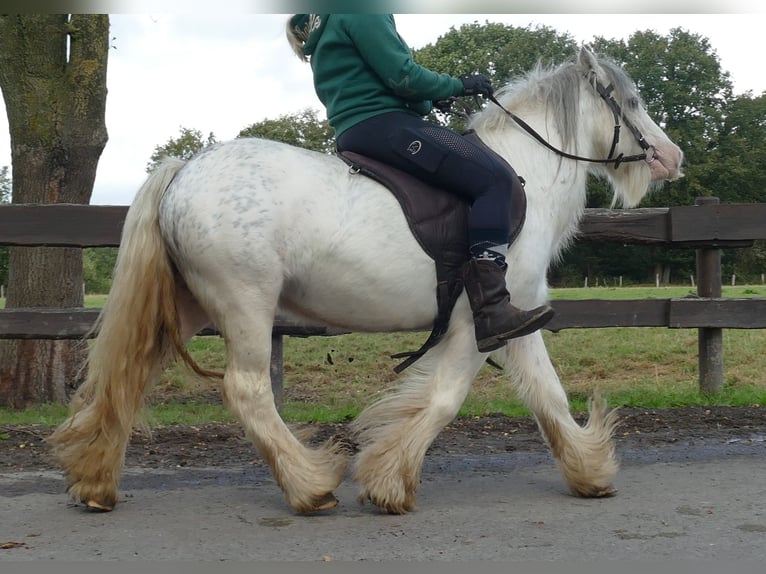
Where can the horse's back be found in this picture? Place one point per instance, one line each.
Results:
(241, 188)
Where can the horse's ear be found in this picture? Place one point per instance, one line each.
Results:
(587, 60)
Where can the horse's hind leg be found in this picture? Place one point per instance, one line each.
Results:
(91, 444)
(584, 454)
(307, 476)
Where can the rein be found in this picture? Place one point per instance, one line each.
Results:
(606, 94)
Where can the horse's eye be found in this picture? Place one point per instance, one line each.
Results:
(634, 103)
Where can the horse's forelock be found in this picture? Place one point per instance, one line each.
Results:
(624, 87)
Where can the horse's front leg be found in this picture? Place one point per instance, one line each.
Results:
(584, 454)
(395, 432)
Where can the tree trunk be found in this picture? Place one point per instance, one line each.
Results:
(53, 77)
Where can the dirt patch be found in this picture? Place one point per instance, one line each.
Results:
(23, 448)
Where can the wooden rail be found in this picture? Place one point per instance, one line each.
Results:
(713, 225)
(707, 227)
(676, 313)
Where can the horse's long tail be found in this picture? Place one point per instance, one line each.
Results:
(138, 331)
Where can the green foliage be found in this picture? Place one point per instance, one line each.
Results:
(303, 129)
(188, 142)
(736, 170)
(500, 51)
(649, 292)
(97, 266)
(747, 264)
(5, 185)
(187, 413)
(47, 414)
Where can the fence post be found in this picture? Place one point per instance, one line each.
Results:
(277, 370)
(710, 339)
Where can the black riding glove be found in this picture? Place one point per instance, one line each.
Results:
(476, 85)
(444, 106)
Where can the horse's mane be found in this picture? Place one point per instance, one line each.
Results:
(557, 88)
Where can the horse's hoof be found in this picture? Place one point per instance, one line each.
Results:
(97, 506)
(327, 502)
(605, 492)
(387, 507)
(599, 492)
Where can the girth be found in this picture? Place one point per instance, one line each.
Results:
(439, 222)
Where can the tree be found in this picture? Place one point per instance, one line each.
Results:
(500, 51)
(737, 166)
(53, 79)
(188, 142)
(738, 173)
(303, 129)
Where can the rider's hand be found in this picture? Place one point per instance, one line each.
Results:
(444, 106)
(476, 85)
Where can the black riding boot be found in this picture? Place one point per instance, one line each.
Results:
(495, 319)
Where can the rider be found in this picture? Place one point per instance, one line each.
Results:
(376, 97)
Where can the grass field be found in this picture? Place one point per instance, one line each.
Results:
(332, 378)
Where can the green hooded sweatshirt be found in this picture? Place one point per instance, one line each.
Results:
(363, 68)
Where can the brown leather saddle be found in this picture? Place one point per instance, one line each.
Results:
(439, 222)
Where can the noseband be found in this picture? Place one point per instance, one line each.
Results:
(606, 94)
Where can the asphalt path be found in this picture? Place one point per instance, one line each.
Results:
(706, 501)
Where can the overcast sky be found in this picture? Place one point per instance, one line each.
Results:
(221, 73)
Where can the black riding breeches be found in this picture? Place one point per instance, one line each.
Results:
(443, 158)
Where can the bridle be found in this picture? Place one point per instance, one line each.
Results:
(606, 94)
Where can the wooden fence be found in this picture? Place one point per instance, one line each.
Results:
(707, 227)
